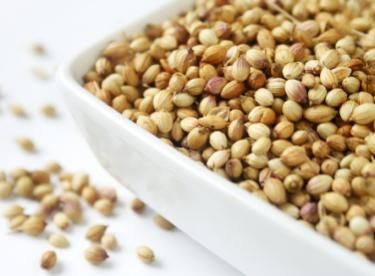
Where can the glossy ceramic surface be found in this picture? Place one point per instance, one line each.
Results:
(253, 236)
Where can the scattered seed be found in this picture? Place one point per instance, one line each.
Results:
(109, 242)
(145, 254)
(18, 110)
(26, 144)
(95, 254)
(13, 211)
(137, 205)
(96, 232)
(58, 240)
(104, 206)
(48, 111)
(163, 223)
(48, 260)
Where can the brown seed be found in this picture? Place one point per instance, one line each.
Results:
(163, 223)
(145, 254)
(137, 205)
(48, 260)
(95, 254)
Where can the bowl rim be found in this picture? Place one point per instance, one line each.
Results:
(66, 79)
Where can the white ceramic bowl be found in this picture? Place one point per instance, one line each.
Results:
(253, 236)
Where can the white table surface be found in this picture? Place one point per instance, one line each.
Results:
(63, 27)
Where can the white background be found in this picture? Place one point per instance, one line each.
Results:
(64, 26)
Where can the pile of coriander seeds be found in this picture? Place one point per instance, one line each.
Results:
(276, 96)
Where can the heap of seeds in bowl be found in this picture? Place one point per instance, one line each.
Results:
(277, 97)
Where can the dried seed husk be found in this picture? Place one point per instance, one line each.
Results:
(96, 232)
(145, 254)
(95, 254)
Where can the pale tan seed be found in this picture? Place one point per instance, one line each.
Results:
(145, 254)
(17, 110)
(109, 242)
(275, 191)
(335, 202)
(25, 144)
(61, 220)
(48, 110)
(34, 226)
(96, 232)
(6, 189)
(95, 254)
(104, 206)
(13, 211)
(58, 240)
